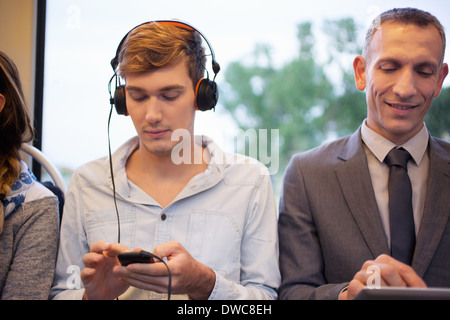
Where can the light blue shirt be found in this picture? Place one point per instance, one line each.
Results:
(225, 217)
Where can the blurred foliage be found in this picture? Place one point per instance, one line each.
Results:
(310, 100)
(438, 118)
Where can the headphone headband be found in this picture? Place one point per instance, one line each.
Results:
(179, 24)
(206, 93)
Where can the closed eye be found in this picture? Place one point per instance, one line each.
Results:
(389, 67)
(138, 97)
(425, 70)
(171, 93)
(172, 96)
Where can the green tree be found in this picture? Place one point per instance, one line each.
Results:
(348, 107)
(438, 118)
(291, 99)
(299, 98)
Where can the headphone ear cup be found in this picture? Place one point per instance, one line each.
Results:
(206, 94)
(120, 100)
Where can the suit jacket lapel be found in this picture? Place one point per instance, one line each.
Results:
(356, 185)
(436, 211)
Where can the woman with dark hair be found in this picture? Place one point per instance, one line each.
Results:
(29, 223)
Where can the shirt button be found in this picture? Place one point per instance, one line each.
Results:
(163, 217)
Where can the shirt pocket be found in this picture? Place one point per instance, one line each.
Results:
(102, 225)
(215, 239)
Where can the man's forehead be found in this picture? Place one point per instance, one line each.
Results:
(399, 36)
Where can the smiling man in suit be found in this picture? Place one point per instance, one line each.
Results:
(337, 213)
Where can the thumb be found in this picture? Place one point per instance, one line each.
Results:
(168, 249)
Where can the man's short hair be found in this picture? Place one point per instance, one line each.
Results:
(155, 45)
(404, 16)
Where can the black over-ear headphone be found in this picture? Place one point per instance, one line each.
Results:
(206, 93)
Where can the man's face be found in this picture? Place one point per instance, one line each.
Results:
(401, 77)
(160, 102)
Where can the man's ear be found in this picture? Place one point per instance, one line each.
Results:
(442, 74)
(2, 102)
(359, 67)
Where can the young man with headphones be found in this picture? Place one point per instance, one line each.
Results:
(210, 222)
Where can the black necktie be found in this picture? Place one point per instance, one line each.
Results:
(401, 218)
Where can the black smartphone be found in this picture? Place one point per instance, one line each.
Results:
(142, 256)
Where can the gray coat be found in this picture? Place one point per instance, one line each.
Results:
(28, 248)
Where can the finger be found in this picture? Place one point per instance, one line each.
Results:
(412, 279)
(100, 246)
(371, 275)
(407, 274)
(157, 284)
(168, 249)
(367, 278)
(382, 270)
(86, 274)
(390, 276)
(385, 275)
(92, 259)
(143, 280)
(156, 280)
(354, 287)
(115, 249)
(148, 276)
(156, 269)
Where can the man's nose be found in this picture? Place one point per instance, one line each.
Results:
(153, 110)
(405, 86)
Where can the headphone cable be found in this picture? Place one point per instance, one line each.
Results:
(169, 289)
(112, 177)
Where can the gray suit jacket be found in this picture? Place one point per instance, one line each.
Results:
(329, 223)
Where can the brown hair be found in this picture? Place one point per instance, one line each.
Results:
(404, 16)
(155, 45)
(15, 126)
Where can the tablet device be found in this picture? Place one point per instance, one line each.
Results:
(399, 293)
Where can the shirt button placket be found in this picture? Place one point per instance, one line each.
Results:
(163, 234)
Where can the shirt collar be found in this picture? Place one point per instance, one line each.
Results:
(205, 180)
(380, 146)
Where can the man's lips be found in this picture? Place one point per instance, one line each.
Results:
(156, 132)
(401, 106)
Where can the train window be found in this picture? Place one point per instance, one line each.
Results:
(82, 37)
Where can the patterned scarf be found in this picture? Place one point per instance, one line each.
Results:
(18, 193)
